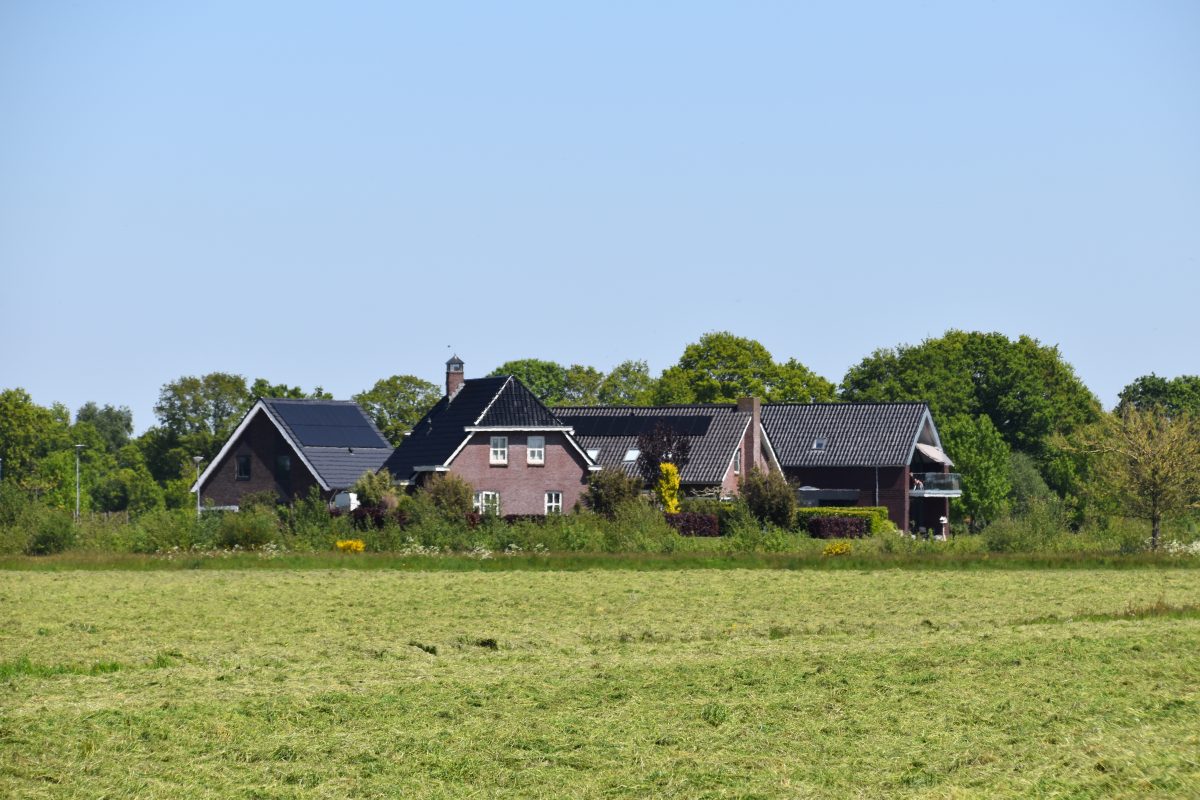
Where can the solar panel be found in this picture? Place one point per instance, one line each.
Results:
(636, 425)
(328, 425)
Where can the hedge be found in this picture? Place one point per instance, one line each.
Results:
(692, 524)
(843, 527)
(876, 516)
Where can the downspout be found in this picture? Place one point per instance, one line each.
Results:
(877, 487)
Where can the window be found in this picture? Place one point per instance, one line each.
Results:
(499, 453)
(737, 461)
(819, 443)
(593, 453)
(283, 467)
(487, 503)
(632, 454)
(535, 450)
(243, 468)
(553, 502)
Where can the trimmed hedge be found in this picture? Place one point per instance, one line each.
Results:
(837, 527)
(876, 516)
(692, 524)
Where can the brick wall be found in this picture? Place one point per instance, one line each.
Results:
(893, 486)
(523, 486)
(261, 441)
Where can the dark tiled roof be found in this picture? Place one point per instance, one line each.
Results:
(336, 437)
(856, 434)
(501, 401)
(713, 433)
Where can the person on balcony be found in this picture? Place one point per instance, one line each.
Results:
(917, 483)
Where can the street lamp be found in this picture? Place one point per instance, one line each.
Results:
(197, 460)
(78, 447)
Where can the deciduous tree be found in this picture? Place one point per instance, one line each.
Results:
(721, 367)
(546, 379)
(396, 404)
(983, 459)
(661, 445)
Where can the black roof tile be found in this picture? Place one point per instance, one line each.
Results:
(855, 434)
(335, 436)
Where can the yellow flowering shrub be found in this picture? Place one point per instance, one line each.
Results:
(837, 549)
(350, 545)
(667, 487)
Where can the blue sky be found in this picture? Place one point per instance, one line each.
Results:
(334, 193)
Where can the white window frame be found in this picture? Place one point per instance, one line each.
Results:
(554, 502)
(737, 461)
(486, 503)
(631, 455)
(498, 451)
(535, 453)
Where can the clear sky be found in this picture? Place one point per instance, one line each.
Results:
(334, 193)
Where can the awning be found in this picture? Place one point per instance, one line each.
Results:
(935, 453)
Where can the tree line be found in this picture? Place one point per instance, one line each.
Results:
(1019, 423)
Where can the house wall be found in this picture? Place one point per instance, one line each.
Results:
(261, 441)
(523, 486)
(893, 486)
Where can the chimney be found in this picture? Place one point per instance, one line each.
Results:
(752, 444)
(454, 376)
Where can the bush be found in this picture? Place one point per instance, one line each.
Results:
(450, 495)
(687, 523)
(667, 488)
(876, 516)
(53, 532)
(769, 497)
(837, 527)
(163, 530)
(636, 527)
(375, 489)
(248, 530)
(1036, 530)
(267, 499)
(609, 489)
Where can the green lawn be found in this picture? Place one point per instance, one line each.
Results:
(600, 683)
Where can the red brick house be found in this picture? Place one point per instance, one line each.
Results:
(865, 454)
(497, 436)
(725, 441)
(288, 447)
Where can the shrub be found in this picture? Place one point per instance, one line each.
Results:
(837, 549)
(350, 545)
(163, 530)
(769, 497)
(837, 527)
(876, 516)
(450, 495)
(638, 528)
(1036, 530)
(691, 524)
(53, 532)
(252, 500)
(248, 530)
(375, 489)
(609, 489)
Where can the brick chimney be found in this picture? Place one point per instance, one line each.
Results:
(752, 443)
(454, 376)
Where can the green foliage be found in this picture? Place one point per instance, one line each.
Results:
(160, 531)
(249, 529)
(53, 532)
(211, 404)
(876, 516)
(721, 368)
(268, 499)
(769, 497)
(113, 423)
(451, 495)
(1174, 396)
(264, 388)
(1028, 486)
(397, 404)
(1036, 530)
(375, 489)
(609, 489)
(1025, 388)
(637, 527)
(658, 446)
(28, 432)
(627, 384)
(582, 386)
(546, 379)
(984, 460)
(667, 487)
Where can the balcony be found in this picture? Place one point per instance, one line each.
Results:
(935, 484)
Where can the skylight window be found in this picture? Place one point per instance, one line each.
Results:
(820, 443)
(593, 453)
(631, 454)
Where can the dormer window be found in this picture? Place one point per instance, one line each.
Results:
(820, 443)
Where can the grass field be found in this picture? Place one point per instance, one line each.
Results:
(600, 683)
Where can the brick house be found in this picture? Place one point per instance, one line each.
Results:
(725, 441)
(865, 454)
(288, 447)
(497, 436)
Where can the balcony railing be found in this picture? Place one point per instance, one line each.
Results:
(935, 484)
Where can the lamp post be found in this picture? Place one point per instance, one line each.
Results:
(78, 447)
(197, 460)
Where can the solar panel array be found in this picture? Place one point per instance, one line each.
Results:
(329, 425)
(634, 425)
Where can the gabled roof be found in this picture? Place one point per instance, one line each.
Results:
(501, 402)
(334, 439)
(854, 434)
(713, 431)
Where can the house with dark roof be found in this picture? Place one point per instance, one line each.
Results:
(288, 447)
(865, 454)
(725, 441)
(519, 457)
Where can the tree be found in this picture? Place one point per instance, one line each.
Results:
(609, 489)
(721, 368)
(396, 404)
(1147, 462)
(769, 497)
(113, 423)
(983, 459)
(661, 445)
(1025, 388)
(667, 487)
(582, 387)
(627, 384)
(28, 432)
(264, 388)
(211, 405)
(1173, 396)
(546, 379)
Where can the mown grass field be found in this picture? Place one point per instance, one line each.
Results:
(600, 683)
